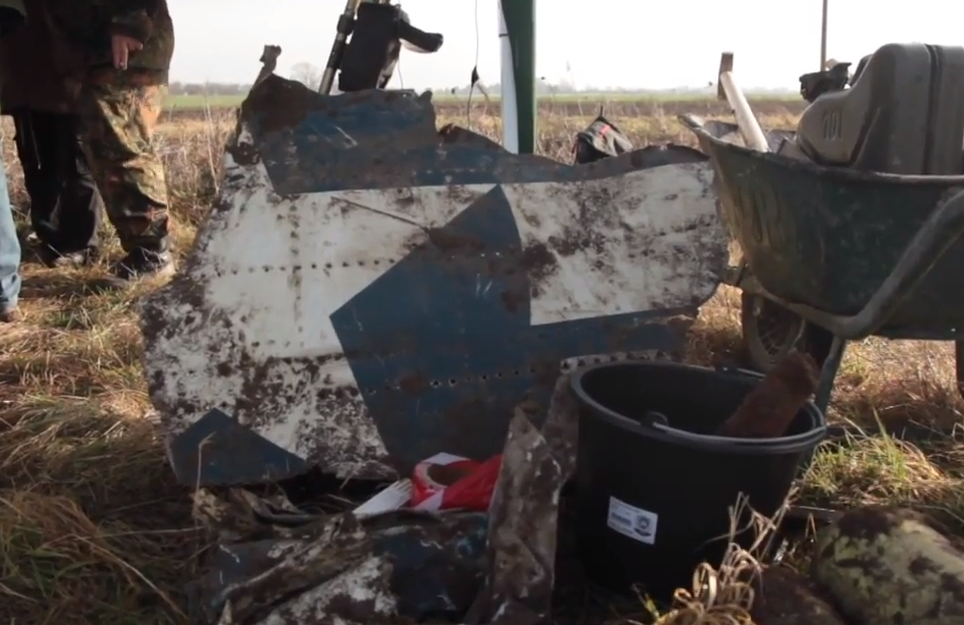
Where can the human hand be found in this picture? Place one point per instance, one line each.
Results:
(121, 47)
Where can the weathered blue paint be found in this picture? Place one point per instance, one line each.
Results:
(437, 577)
(372, 139)
(450, 382)
(218, 450)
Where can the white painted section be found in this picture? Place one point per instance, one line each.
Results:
(653, 226)
(286, 310)
(284, 267)
(364, 585)
(510, 104)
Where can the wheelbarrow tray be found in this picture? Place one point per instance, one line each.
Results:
(829, 238)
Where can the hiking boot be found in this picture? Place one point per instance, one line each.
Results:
(52, 258)
(10, 314)
(143, 264)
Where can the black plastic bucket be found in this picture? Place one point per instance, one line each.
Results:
(651, 496)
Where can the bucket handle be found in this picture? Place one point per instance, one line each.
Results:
(658, 421)
(654, 419)
(731, 370)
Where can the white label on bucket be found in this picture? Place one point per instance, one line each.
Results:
(632, 522)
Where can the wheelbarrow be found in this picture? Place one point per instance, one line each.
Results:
(853, 253)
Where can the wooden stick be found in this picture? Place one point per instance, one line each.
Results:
(745, 120)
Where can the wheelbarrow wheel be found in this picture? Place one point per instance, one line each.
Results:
(770, 332)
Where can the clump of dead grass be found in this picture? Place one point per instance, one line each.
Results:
(863, 469)
(92, 526)
(724, 595)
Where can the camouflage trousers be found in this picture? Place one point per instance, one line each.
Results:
(119, 113)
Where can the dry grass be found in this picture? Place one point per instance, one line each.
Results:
(93, 528)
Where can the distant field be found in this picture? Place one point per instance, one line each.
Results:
(201, 102)
(183, 108)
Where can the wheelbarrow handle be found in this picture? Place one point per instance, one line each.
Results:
(941, 230)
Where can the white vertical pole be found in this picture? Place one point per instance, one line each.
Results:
(510, 109)
(823, 37)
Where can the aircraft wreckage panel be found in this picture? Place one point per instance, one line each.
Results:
(369, 291)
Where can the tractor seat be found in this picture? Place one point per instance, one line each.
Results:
(904, 114)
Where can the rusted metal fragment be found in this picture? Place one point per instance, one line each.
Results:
(438, 564)
(358, 597)
(414, 565)
(523, 528)
(368, 292)
(340, 546)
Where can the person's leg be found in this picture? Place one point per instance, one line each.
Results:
(76, 214)
(42, 188)
(65, 205)
(117, 128)
(9, 256)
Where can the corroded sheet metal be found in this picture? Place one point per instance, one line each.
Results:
(369, 291)
(523, 525)
(402, 566)
(409, 565)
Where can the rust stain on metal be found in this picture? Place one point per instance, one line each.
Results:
(452, 134)
(461, 195)
(513, 299)
(243, 153)
(574, 241)
(414, 384)
(279, 103)
(448, 242)
(404, 199)
(540, 263)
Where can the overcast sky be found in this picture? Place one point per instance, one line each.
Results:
(611, 43)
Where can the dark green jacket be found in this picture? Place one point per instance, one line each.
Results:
(89, 24)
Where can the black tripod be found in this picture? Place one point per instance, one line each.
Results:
(378, 30)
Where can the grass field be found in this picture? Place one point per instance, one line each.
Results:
(93, 528)
(195, 102)
(197, 105)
